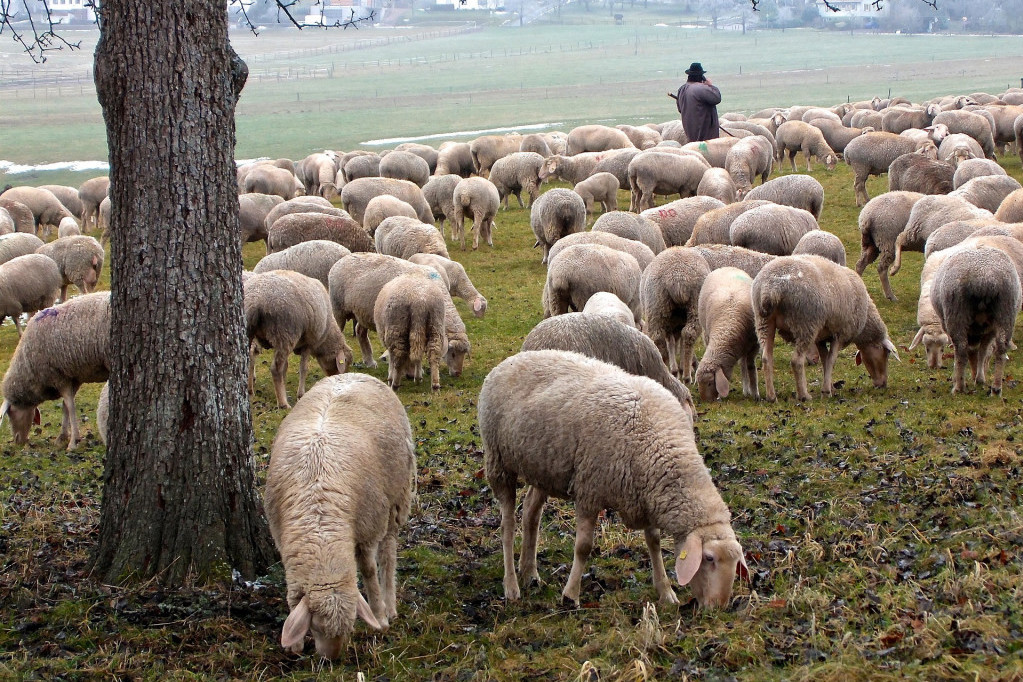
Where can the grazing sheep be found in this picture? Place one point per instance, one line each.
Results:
(872, 154)
(1009, 211)
(326, 520)
(653, 173)
(717, 183)
(582, 270)
(714, 151)
(677, 218)
(607, 304)
(67, 196)
(303, 204)
(265, 178)
(618, 441)
(489, 148)
(440, 194)
(821, 243)
(313, 258)
(599, 187)
(424, 151)
(21, 215)
(401, 237)
(988, 191)
(812, 302)
(409, 318)
(62, 348)
(898, 119)
(556, 213)
(638, 250)
(27, 283)
(103, 412)
(617, 164)
(253, 209)
(969, 123)
(516, 173)
(291, 313)
(385, 206)
(535, 143)
(296, 228)
(361, 166)
(673, 131)
(726, 315)
(959, 147)
(356, 196)
(955, 232)
(631, 226)
(796, 136)
(607, 339)
(92, 192)
(974, 168)
(454, 158)
(318, 173)
(935, 134)
(402, 165)
(18, 244)
(7, 225)
(976, 295)
(480, 198)
(725, 256)
(731, 126)
(45, 207)
(881, 222)
(458, 345)
(571, 169)
(79, 260)
(642, 137)
(1017, 128)
(714, 226)
(596, 138)
(796, 190)
(772, 229)
(837, 135)
(669, 295)
(928, 214)
(864, 118)
(917, 173)
(746, 160)
(459, 283)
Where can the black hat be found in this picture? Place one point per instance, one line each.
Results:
(695, 69)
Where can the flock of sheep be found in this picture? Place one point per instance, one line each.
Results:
(737, 263)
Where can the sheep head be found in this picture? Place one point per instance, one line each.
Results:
(928, 150)
(830, 161)
(712, 382)
(874, 358)
(934, 343)
(329, 616)
(455, 355)
(708, 559)
(22, 419)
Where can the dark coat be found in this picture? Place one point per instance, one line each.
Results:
(697, 104)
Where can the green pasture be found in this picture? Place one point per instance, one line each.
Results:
(883, 529)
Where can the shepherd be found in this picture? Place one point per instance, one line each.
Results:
(697, 102)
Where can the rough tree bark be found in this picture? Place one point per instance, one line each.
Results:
(180, 496)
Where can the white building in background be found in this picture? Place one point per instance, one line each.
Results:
(852, 8)
(66, 11)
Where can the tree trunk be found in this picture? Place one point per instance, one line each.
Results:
(179, 499)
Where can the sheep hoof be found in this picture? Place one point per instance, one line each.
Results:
(435, 387)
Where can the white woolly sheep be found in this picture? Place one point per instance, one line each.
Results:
(821, 243)
(726, 315)
(459, 283)
(795, 136)
(618, 441)
(917, 173)
(266, 178)
(401, 237)
(7, 224)
(974, 168)
(881, 222)
(21, 214)
(812, 302)
(328, 523)
(385, 206)
(365, 165)
(18, 244)
(357, 193)
(479, 198)
(318, 173)
(313, 258)
(571, 169)
(717, 183)
(440, 194)
(582, 270)
(253, 209)
(955, 232)
(68, 227)
(62, 348)
(772, 229)
(79, 260)
(599, 188)
(103, 413)
(796, 190)
(276, 211)
(607, 304)
(976, 295)
(516, 173)
(423, 151)
(606, 339)
(92, 192)
(534, 142)
(409, 318)
(714, 226)
(746, 160)
(296, 228)
(928, 214)
(402, 165)
(487, 149)
(454, 158)
(970, 123)
(595, 138)
(837, 135)
(725, 256)
(655, 172)
(617, 164)
(677, 218)
(898, 119)
(638, 250)
(45, 206)
(291, 313)
(872, 154)
(556, 213)
(715, 150)
(987, 191)
(631, 226)
(958, 147)
(669, 294)
(27, 283)
(641, 137)
(1009, 211)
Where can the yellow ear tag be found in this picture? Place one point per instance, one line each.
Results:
(682, 555)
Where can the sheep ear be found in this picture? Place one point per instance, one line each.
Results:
(477, 305)
(296, 626)
(363, 611)
(741, 569)
(887, 343)
(37, 418)
(4, 409)
(917, 339)
(859, 358)
(689, 558)
(721, 383)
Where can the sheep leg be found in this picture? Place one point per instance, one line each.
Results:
(766, 336)
(303, 369)
(488, 231)
(532, 510)
(585, 523)
(860, 186)
(366, 558)
(504, 493)
(978, 357)
(882, 273)
(279, 372)
(476, 227)
(518, 195)
(661, 583)
(253, 352)
(388, 566)
(17, 323)
(959, 365)
(750, 386)
(792, 158)
(996, 381)
(362, 334)
(63, 292)
(868, 254)
(828, 358)
(434, 357)
(70, 417)
(397, 360)
(687, 341)
(799, 371)
(806, 154)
